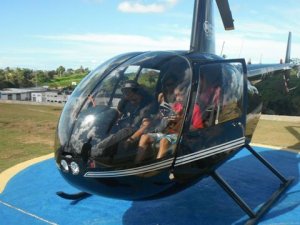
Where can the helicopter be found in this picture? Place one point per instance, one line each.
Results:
(145, 125)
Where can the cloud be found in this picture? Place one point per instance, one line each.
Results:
(264, 50)
(132, 41)
(89, 50)
(174, 29)
(138, 7)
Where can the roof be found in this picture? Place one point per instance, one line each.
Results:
(22, 90)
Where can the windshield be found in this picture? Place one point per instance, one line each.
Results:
(134, 113)
(73, 105)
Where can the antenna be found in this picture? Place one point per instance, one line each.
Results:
(241, 48)
(222, 48)
(260, 59)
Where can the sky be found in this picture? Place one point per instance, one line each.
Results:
(45, 34)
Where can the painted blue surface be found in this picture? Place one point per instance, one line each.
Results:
(33, 191)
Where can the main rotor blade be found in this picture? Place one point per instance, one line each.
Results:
(226, 15)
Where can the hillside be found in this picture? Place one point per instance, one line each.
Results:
(65, 81)
(22, 77)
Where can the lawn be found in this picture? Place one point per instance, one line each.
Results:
(283, 134)
(27, 131)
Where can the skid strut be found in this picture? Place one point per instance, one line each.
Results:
(255, 216)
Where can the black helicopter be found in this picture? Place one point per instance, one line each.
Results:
(144, 125)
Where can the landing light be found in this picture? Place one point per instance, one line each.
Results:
(64, 165)
(75, 168)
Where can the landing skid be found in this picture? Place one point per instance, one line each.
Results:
(255, 216)
(77, 196)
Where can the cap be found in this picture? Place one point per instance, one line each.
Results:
(130, 85)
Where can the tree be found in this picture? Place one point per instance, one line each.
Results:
(23, 77)
(295, 61)
(60, 70)
(70, 71)
(6, 84)
(80, 70)
(50, 74)
(276, 100)
(2, 75)
(39, 77)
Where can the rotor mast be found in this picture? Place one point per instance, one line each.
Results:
(203, 37)
(203, 32)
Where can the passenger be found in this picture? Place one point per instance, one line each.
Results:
(168, 85)
(210, 96)
(168, 136)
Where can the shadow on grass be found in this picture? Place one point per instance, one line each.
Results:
(294, 131)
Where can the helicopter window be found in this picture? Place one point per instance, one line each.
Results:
(79, 95)
(131, 72)
(219, 93)
(232, 99)
(148, 78)
(107, 93)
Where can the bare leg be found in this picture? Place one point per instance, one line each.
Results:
(144, 143)
(163, 147)
(141, 130)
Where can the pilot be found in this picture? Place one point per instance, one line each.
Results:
(135, 108)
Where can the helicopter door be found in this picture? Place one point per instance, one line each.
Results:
(220, 98)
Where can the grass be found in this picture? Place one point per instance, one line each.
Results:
(278, 133)
(66, 81)
(27, 131)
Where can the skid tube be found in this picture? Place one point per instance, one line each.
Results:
(255, 216)
(77, 196)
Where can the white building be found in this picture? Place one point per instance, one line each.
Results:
(19, 94)
(56, 96)
(35, 95)
(38, 97)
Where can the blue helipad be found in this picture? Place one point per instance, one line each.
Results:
(29, 198)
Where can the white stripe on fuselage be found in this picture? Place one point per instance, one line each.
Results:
(181, 160)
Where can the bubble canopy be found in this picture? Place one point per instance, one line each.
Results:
(126, 112)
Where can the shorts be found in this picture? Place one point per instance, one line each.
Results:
(172, 138)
